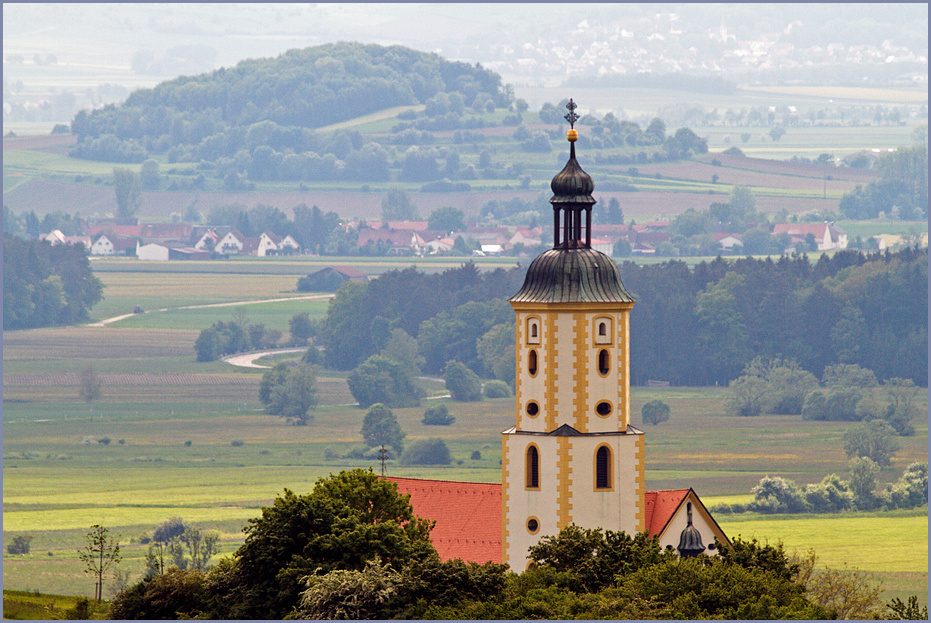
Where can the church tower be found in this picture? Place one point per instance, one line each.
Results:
(572, 457)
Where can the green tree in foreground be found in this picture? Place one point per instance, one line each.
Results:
(99, 554)
(595, 557)
(347, 520)
(654, 412)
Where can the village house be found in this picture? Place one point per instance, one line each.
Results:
(827, 236)
(111, 244)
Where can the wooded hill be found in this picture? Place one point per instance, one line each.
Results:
(215, 114)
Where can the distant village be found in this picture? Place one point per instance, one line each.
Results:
(189, 241)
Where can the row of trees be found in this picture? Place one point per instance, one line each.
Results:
(845, 393)
(702, 325)
(45, 285)
(775, 494)
(352, 548)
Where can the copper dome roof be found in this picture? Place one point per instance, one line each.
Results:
(572, 276)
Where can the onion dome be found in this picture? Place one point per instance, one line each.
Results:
(572, 184)
(690, 543)
(572, 272)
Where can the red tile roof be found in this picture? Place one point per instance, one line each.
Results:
(660, 507)
(467, 516)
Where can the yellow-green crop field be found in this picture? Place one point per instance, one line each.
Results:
(190, 439)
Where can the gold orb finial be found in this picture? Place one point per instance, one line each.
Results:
(572, 135)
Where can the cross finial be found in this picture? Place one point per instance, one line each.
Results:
(571, 117)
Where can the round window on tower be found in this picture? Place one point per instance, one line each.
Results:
(533, 525)
(533, 408)
(604, 408)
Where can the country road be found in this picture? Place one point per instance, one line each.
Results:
(311, 297)
(247, 360)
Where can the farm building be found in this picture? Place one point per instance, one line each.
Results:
(826, 235)
(113, 244)
(573, 456)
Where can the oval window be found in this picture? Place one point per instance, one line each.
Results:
(532, 408)
(533, 525)
(603, 408)
(604, 362)
(532, 366)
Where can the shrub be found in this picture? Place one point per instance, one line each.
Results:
(237, 443)
(497, 389)
(105, 441)
(20, 544)
(438, 416)
(426, 452)
(476, 455)
(777, 495)
(357, 451)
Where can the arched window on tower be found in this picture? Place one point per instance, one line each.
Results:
(532, 363)
(533, 468)
(533, 330)
(603, 468)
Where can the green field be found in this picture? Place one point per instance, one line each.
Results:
(58, 478)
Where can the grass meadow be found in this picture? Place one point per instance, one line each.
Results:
(190, 439)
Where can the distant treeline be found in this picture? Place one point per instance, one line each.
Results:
(45, 285)
(690, 326)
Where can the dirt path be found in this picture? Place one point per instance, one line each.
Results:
(247, 360)
(310, 297)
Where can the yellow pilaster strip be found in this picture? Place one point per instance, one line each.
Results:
(519, 363)
(583, 367)
(640, 478)
(624, 369)
(564, 486)
(505, 498)
(550, 370)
